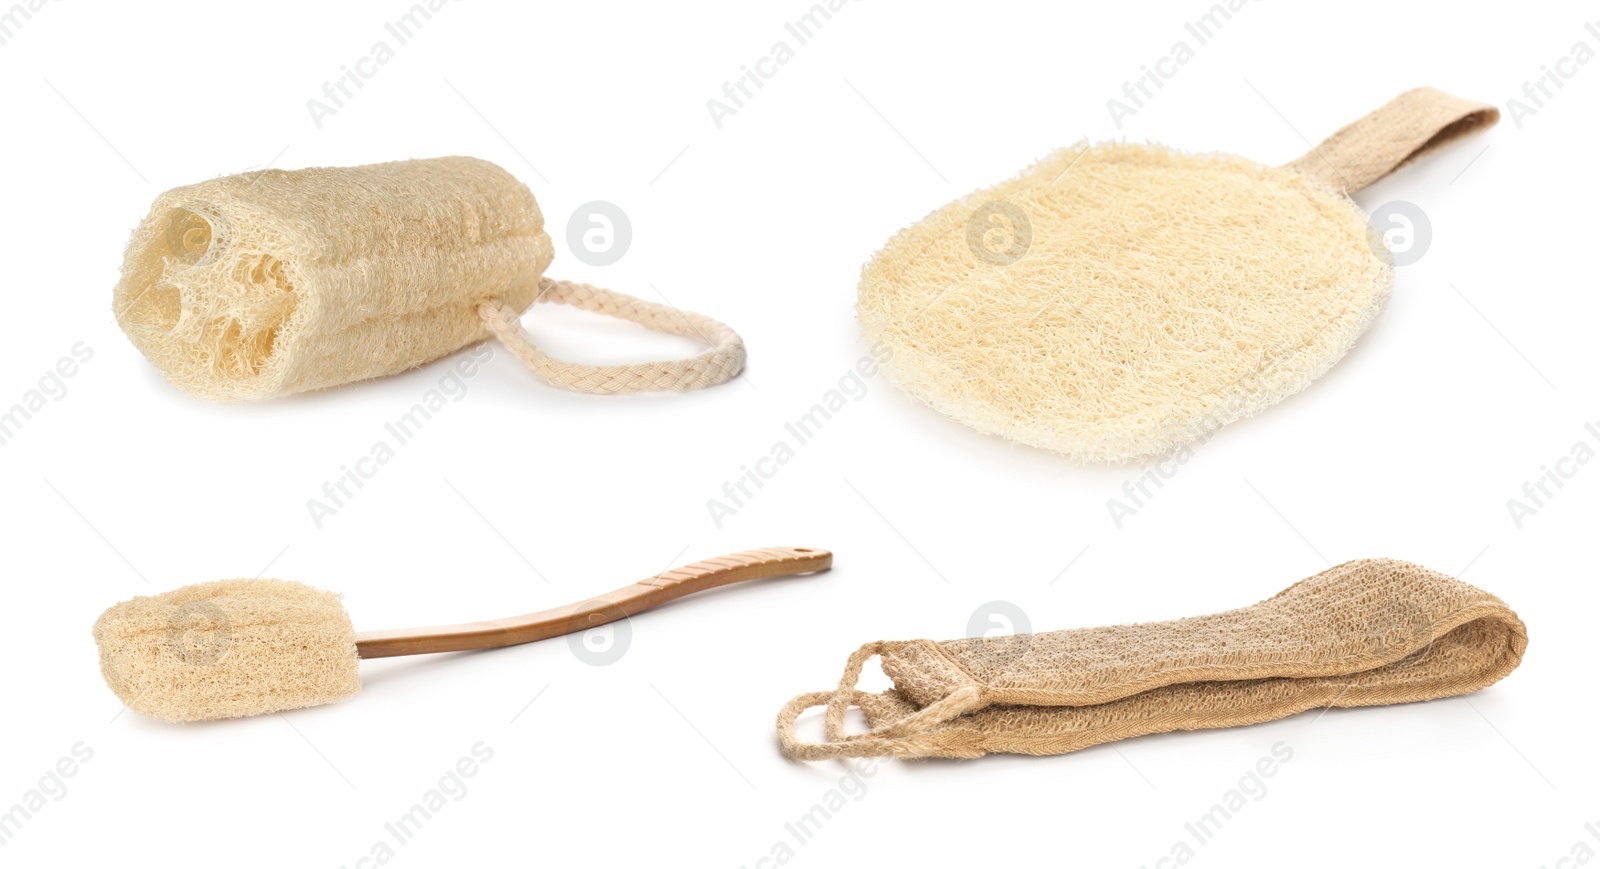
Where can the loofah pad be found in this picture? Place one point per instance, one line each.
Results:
(228, 649)
(1162, 295)
(1118, 301)
(1364, 633)
(275, 282)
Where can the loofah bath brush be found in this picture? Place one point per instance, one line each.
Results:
(265, 284)
(1117, 301)
(1365, 633)
(244, 647)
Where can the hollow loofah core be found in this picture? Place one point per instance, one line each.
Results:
(228, 649)
(275, 282)
(1117, 301)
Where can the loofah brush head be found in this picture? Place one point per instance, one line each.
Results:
(228, 649)
(1118, 301)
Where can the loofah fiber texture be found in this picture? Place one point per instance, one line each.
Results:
(1364, 633)
(1117, 301)
(228, 649)
(270, 283)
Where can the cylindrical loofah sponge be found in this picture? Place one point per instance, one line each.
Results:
(228, 649)
(274, 282)
(270, 283)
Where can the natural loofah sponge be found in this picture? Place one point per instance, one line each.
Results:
(1119, 300)
(274, 282)
(1365, 633)
(270, 283)
(228, 649)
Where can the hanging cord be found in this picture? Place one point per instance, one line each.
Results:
(722, 362)
(910, 736)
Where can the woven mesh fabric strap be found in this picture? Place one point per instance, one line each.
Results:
(723, 361)
(1364, 633)
(1410, 125)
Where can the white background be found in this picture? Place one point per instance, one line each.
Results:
(520, 497)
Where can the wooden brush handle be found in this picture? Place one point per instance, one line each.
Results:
(642, 595)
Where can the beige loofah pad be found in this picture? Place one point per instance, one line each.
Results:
(1117, 301)
(228, 649)
(1364, 633)
(270, 283)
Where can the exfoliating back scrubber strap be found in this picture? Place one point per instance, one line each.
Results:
(1364, 633)
(723, 361)
(1412, 124)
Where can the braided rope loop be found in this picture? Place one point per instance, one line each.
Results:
(717, 365)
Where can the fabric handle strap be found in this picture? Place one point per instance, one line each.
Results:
(717, 365)
(1412, 124)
